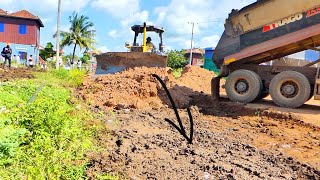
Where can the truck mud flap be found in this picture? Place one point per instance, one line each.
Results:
(215, 88)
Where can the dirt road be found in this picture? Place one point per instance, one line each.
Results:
(309, 113)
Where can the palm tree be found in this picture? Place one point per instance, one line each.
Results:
(80, 34)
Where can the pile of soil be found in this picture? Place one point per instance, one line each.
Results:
(15, 73)
(194, 81)
(136, 88)
(196, 78)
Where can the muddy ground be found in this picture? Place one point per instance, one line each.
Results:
(231, 140)
(140, 144)
(14, 73)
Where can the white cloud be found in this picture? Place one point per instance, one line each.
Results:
(208, 41)
(103, 49)
(136, 17)
(119, 8)
(43, 7)
(113, 34)
(208, 16)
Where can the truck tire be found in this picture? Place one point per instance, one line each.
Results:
(290, 89)
(262, 96)
(243, 86)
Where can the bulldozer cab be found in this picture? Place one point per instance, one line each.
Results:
(143, 29)
(138, 56)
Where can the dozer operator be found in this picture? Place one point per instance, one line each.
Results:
(138, 56)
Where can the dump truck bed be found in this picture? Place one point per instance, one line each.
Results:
(267, 30)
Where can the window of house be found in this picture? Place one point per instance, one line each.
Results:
(1, 27)
(22, 29)
(23, 55)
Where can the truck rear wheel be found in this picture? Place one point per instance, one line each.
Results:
(243, 86)
(290, 89)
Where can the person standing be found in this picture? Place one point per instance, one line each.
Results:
(79, 64)
(6, 53)
(43, 63)
(31, 63)
(18, 59)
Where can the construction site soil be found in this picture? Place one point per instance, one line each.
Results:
(14, 73)
(231, 140)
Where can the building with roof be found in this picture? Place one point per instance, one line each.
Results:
(22, 30)
(197, 56)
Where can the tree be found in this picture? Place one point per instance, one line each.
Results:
(47, 52)
(176, 59)
(80, 34)
(70, 56)
(85, 58)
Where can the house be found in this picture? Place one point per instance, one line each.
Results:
(22, 30)
(197, 56)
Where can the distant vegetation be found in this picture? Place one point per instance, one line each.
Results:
(176, 59)
(47, 52)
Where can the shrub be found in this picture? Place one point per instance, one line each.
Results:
(176, 59)
(46, 139)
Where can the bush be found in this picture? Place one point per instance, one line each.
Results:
(73, 77)
(176, 59)
(46, 139)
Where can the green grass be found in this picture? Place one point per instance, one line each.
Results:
(48, 138)
(177, 72)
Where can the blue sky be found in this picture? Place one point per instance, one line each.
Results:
(113, 19)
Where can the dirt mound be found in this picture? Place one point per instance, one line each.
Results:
(136, 88)
(15, 73)
(196, 78)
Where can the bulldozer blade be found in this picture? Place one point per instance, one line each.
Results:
(113, 62)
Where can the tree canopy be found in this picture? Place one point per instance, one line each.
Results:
(80, 34)
(176, 59)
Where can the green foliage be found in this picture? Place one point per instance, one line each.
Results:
(73, 77)
(107, 177)
(69, 56)
(85, 58)
(48, 138)
(177, 72)
(79, 34)
(176, 59)
(47, 52)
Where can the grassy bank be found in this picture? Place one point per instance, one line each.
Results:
(45, 139)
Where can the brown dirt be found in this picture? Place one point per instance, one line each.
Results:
(15, 73)
(231, 140)
(136, 88)
(141, 145)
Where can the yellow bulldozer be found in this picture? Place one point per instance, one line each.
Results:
(137, 56)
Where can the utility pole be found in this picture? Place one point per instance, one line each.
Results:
(190, 60)
(58, 36)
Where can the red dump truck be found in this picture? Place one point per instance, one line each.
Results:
(259, 33)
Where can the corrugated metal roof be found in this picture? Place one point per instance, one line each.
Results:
(195, 51)
(2, 12)
(24, 14)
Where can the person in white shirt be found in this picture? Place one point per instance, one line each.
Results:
(18, 59)
(31, 62)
